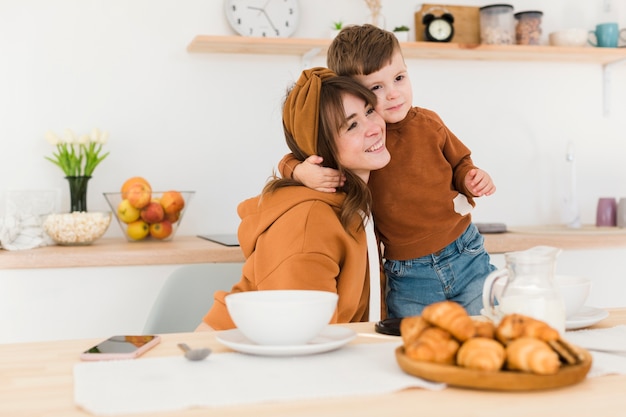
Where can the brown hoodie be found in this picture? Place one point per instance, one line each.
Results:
(292, 239)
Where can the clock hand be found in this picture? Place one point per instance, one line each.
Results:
(262, 10)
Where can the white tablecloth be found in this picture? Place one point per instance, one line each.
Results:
(173, 383)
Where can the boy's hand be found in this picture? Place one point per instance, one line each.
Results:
(479, 183)
(313, 175)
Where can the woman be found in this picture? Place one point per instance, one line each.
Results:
(294, 237)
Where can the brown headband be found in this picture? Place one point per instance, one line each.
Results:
(302, 108)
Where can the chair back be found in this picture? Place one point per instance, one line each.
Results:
(187, 296)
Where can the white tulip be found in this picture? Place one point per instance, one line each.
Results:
(69, 136)
(52, 138)
(104, 137)
(95, 135)
(84, 139)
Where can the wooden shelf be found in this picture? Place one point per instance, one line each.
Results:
(417, 50)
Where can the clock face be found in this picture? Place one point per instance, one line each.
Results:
(263, 18)
(440, 29)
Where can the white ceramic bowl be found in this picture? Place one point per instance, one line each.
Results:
(281, 317)
(569, 37)
(77, 228)
(573, 289)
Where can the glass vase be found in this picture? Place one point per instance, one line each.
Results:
(78, 193)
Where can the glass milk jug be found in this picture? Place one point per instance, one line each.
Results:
(529, 289)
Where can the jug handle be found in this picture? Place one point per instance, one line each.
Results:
(489, 297)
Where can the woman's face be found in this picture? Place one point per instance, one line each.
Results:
(361, 141)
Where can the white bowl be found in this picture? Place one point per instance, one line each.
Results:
(281, 317)
(77, 228)
(569, 37)
(574, 291)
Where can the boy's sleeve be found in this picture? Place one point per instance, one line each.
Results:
(287, 165)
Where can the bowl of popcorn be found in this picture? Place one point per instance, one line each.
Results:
(77, 228)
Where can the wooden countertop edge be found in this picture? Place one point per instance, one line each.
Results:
(119, 252)
(509, 242)
(191, 249)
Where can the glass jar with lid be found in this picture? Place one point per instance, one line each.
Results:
(528, 27)
(497, 24)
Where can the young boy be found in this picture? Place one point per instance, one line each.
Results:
(423, 198)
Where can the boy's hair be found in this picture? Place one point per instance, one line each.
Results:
(361, 50)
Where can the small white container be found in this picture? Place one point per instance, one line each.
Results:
(573, 37)
(497, 24)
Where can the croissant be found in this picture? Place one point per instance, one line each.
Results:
(484, 328)
(452, 317)
(433, 345)
(411, 328)
(481, 353)
(514, 326)
(532, 355)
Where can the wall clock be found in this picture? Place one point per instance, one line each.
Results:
(263, 18)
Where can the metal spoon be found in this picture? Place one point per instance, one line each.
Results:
(194, 354)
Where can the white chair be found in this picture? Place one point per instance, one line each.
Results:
(187, 295)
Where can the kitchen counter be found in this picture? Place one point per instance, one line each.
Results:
(119, 252)
(192, 249)
(585, 237)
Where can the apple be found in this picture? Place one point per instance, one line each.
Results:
(172, 217)
(152, 213)
(172, 201)
(139, 195)
(138, 230)
(134, 180)
(126, 212)
(161, 230)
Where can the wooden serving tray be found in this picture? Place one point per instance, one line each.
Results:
(497, 381)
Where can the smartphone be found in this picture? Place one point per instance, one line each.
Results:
(120, 347)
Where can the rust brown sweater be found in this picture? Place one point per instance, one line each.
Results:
(414, 195)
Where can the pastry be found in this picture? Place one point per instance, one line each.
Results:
(529, 354)
(481, 353)
(411, 328)
(484, 328)
(452, 317)
(514, 326)
(433, 345)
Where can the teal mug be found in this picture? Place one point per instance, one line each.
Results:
(606, 35)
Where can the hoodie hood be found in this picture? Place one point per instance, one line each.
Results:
(259, 213)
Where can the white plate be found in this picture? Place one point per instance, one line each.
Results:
(587, 316)
(331, 338)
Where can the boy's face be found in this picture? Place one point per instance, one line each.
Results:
(392, 86)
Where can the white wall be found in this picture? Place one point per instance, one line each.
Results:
(211, 122)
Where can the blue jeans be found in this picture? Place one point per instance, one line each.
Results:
(455, 273)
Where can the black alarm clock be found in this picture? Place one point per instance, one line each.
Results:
(438, 28)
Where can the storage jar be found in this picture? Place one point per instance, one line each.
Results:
(497, 24)
(528, 27)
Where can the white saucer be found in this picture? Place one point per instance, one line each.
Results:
(331, 338)
(585, 317)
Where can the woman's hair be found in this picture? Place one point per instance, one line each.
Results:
(331, 119)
